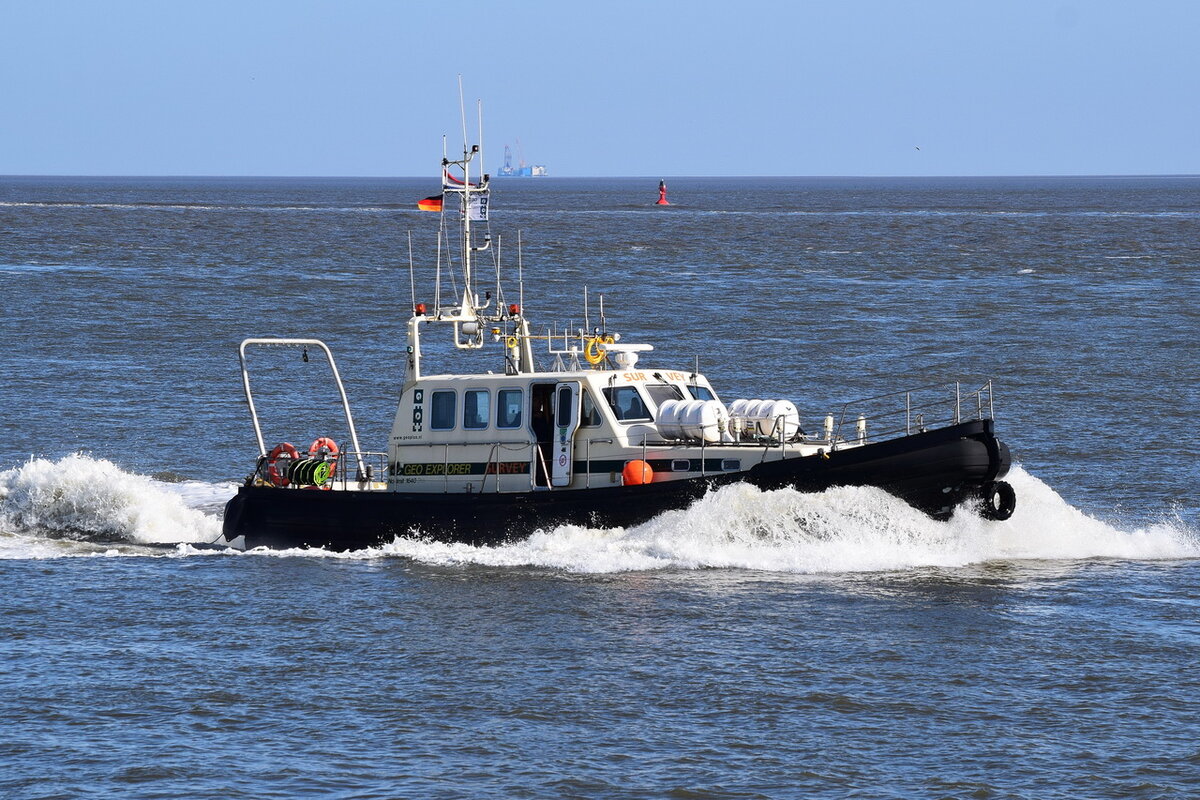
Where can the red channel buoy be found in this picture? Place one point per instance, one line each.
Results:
(662, 194)
(637, 472)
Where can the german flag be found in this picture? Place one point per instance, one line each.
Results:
(430, 203)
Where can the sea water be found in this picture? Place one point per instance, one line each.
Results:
(757, 644)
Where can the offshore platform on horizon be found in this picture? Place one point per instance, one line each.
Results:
(522, 170)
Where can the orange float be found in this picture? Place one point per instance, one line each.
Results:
(277, 472)
(637, 472)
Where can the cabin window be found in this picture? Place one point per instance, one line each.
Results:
(681, 465)
(476, 409)
(441, 411)
(627, 404)
(731, 464)
(701, 392)
(662, 392)
(563, 417)
(591, 414)
(508, 408)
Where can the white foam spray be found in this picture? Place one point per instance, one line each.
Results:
(80, 505)
(848, 529)
(91, 499)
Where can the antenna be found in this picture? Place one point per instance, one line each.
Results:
(412, 284)
(462, 114)
(437, 281)
(499, 291)
(520, 274)
(587, 325)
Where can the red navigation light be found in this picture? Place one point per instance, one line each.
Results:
(513, 309)
(420, 309)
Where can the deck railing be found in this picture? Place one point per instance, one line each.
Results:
(903, 413)
(352, 469)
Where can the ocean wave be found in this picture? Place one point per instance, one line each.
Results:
(92, 500)
(847, 529)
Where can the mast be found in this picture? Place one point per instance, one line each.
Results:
(470, 318)
(473, 205)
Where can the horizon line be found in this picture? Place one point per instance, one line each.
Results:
(656, 176)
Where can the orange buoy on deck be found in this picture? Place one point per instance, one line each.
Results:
(637, 472)
(662, 194)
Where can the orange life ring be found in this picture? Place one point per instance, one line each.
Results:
(323, 441)
(276, 473)
(314, 450)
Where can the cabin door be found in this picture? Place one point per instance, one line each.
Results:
(541, 422)
(566, 422)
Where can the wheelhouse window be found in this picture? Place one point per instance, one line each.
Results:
(508, 408)
(591, 414)
(701, 392)
(441, 411)
(476, 409)
(627, 404)
(662, 392)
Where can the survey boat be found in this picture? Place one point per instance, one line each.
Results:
(580, 427)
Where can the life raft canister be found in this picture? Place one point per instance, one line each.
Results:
(277, 471)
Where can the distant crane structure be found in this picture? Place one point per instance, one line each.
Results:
(522, 170)
(507, 170)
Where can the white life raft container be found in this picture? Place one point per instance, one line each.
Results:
(693, 420)
(777, 419)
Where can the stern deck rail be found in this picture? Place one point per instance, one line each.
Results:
(337, 379)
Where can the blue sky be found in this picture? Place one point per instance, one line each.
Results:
(182, 87)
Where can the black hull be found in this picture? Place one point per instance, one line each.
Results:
(933, 471)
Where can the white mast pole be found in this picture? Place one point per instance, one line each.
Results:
(412, 282)
(462, 112)
(482, 162)
(466, 212)
(437, 282)
(466, 202)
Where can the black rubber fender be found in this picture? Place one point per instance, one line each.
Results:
(1005, 459)
(999, 500)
